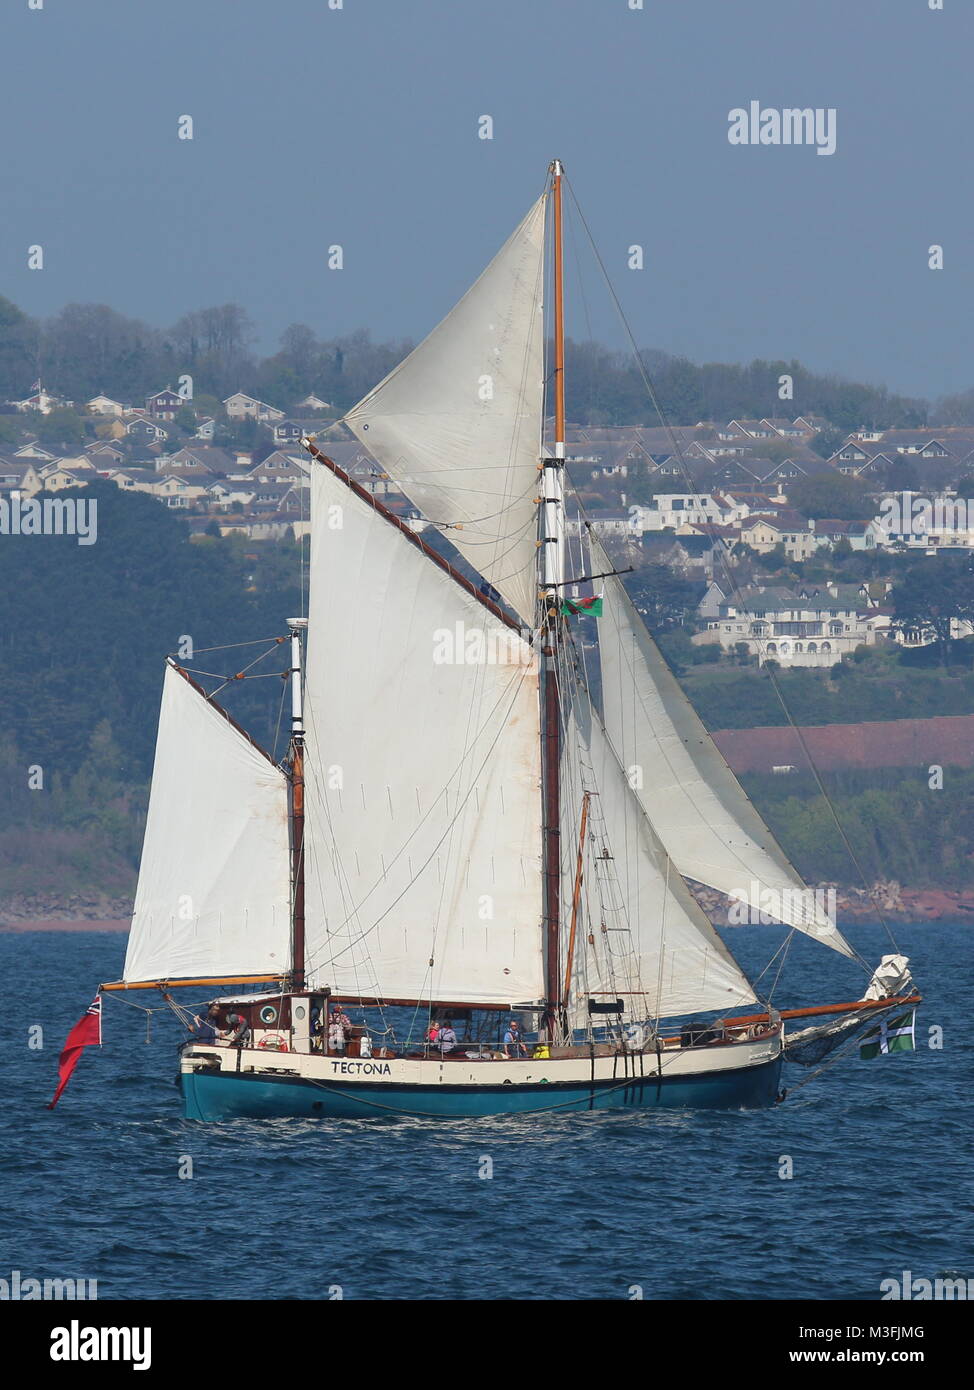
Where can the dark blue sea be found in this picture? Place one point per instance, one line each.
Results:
(682, 1204)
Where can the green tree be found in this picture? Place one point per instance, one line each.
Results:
(663, 598)
(641, 485)
(11, 429)
(832, 495)
(19, 337)
(932, 595)
(827, 441)
(61, 431)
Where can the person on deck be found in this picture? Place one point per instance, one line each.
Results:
(447, 1038)
(336, 1032)
(237, 1032)
(513, 1043)
(208, 1024)
(432, 1032)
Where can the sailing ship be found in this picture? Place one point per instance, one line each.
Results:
(477, 817)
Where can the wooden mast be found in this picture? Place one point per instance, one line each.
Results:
(576, 897)
(297, 807)
(552, 540)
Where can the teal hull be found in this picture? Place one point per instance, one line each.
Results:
(214, 1097)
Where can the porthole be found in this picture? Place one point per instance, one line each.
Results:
(268, 1014)
(299, 1011)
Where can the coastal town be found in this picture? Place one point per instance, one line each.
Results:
(733, 507)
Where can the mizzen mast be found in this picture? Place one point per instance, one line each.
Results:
(296, 626)
(552, 574)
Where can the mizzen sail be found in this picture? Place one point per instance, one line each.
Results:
(458, 423)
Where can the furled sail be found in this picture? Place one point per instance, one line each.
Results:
(697, 806)
(654, 946)
(422, 836)
(458, 423)
(213, 896)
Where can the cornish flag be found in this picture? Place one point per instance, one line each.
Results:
(85, 1033)
(892, 1035)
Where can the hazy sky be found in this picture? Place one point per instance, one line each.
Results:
(358, 126)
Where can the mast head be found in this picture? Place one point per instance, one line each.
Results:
(557, 168)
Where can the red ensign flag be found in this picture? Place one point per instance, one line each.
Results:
(85, 1033)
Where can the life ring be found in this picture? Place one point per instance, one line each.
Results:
(275, 1041)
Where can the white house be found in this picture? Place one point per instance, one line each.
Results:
(673, 509)
(104, 405)
(814, 628)
(243, 407)
(43, 402)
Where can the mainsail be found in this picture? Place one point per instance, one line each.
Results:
(653, 945)
(422, 835)
(458, 423)
(213, 896)
(697, 806)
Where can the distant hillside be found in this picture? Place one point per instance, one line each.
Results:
(88, 349)
(84, 631)
(854, 692)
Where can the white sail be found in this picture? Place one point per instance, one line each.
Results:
(422, 839)
(213, 896)
(697, 806)
(654, 947)
(458, 423)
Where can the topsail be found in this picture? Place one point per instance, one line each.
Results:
(458, 423)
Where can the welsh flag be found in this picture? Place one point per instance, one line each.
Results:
(581, 608)
(892, 1035)
(85, 1033)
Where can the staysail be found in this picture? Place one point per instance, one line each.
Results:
(696, 805)
(653, 945)
(458, 423)
(213, 896)
(422, 835)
